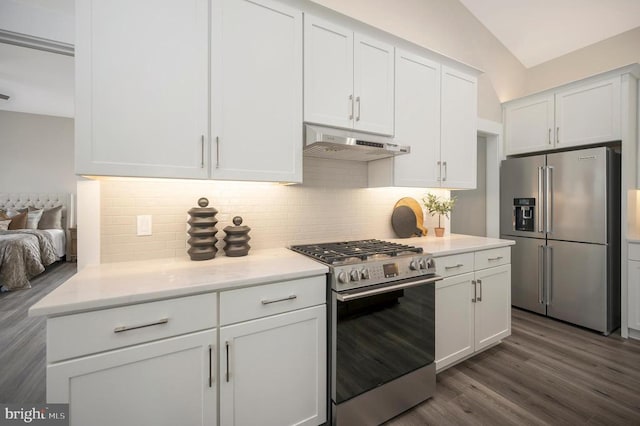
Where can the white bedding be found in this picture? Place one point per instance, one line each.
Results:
(59, 241)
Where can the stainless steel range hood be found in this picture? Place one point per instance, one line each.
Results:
(327, 142)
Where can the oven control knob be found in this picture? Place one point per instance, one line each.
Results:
(355, 275)
(414, 265)
(431, 264)
(364, 274)
(343, 277)
(423, 264)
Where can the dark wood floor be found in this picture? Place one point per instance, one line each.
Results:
(546, 372)
(22, 339)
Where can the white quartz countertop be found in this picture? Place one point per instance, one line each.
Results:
(115, 284)
(454, 243)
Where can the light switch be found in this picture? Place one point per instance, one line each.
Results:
(144, 224)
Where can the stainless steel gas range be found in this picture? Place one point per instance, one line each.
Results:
(381, 303)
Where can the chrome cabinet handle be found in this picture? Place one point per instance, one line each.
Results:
(202, 152)
(358, 102)
(135, 327)
(459, 265)
(444, 163)
(557, 134)
(210, 366)
(491, 259)
(439, 163)
(351, 107)
(549, 138)
(475, 291)
(541, 255)
(228, 374)
(480, 285)
(267, 302)
(217, 152)
(540, 195)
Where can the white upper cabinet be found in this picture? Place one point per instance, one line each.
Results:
(257, 91)
(436, 115)
(417, 120)
(588, 114)
(581, 114)
(349, 78)
(529, 124)
(142, 88)
(459, 129)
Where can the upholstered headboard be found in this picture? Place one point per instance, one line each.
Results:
(39, 200)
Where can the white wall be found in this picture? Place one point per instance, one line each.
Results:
(615, 52)
(36, 153)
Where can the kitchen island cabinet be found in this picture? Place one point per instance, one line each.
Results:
(633, 302)
(145, 337)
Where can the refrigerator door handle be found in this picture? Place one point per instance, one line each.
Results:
(549, 200)
(540, 195)
(541, 254)
(549, 273)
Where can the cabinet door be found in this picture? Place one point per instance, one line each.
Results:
(529, 125)
(273, 370)
(459, 129)
(588, 114)
(257, 91)
(493, 305)
(417, 120)
(454, 319)
(634, 295)
(142, 90)
(373, 85)
(167, 382)
(328, 73)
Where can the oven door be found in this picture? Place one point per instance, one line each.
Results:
(380, 334)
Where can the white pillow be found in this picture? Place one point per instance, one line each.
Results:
(4, 224)
(33, 217)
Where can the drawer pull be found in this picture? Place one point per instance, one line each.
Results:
(135, 327)
(284, 299)
(491, 259)
(459, 265)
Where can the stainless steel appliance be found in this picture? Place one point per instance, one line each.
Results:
(339, 144)
(563, 211)
(381, 302)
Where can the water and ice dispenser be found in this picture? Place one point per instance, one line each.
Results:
(524, 214)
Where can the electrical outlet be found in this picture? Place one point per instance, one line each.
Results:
(144, 224)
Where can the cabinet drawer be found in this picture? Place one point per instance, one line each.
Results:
(96, 331)
(494, 257)
(269, 299)
(454, 264)
(634, 251)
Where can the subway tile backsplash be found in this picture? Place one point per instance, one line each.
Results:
(334, 203)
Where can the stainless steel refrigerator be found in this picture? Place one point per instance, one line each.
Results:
(563, 211)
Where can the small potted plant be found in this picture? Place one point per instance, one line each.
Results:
(440, 206)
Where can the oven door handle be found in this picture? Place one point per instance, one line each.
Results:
(345, 297)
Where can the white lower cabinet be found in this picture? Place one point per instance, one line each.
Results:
(166, 382)
(633, 300)
(473, 309)
(273, 370)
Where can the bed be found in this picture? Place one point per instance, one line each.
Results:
(25, 253)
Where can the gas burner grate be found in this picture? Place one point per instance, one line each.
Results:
(354, 251)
